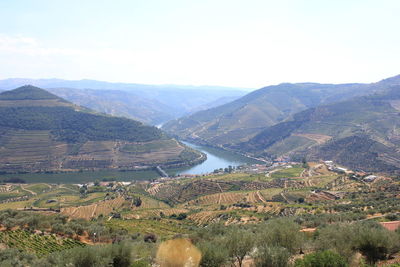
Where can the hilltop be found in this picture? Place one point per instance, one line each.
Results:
(43, 132)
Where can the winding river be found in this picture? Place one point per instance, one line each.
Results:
(216, 158)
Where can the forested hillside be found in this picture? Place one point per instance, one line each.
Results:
(42, 132)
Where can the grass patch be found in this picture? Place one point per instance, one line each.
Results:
(38, 188)
(287, 173)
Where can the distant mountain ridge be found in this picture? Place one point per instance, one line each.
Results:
(11, 83)
(40, 131)
(151, 104)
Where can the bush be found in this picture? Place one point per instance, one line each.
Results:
(150, 238)
(322, 259)
(181, 216)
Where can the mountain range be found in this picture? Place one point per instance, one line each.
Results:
(151, 104)
(353, 124)
(41, 132)
(361, 133)
(242, 119)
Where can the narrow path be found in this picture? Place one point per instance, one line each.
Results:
(284, 197)
(76, 209)
(271, 172)
(63, 187)
(220, 187)
(220, 195)
(27, 190)
(94, 211)
(49, 186)
(261, 197)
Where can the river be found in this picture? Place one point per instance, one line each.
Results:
(216, 158)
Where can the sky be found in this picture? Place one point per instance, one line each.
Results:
(240, 43)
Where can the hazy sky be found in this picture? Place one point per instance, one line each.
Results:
(202, 42)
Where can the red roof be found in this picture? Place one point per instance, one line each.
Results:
(391, 226)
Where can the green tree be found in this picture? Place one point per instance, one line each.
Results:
(337, 237)
(214, 253)
(281, 233)
(375, 243)
(239, 243)
(271, 257)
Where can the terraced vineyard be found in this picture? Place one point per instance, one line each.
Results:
(150, 203)
(179, 193)
(94, 210)
(150, 213)
(223, 198)
(35, 243)
(205, 217)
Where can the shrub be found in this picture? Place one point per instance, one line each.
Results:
(322, 259)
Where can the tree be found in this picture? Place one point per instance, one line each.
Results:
(271, 256)
(375, 243)
(281, 233)
(337, 237)
(214, 253)
(239, 243)
(322, 259)
(304, 163)
(181, 216)
(137, 201)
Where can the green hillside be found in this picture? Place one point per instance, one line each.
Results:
(42, 132)
(244, 118)
(360, 133)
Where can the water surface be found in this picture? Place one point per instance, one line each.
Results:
(216, 158)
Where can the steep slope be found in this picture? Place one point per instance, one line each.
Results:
(243, 118)
(361, 133)
(40, 131)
